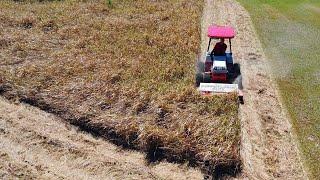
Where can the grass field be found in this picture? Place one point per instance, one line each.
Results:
(290, 33)
(124, 71)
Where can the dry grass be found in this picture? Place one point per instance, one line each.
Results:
(124, 71)
(37, 145)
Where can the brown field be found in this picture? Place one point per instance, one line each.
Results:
(37, 145)
(124, 72)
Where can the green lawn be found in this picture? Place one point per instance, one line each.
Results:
(290, 33)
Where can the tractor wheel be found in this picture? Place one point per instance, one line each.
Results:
(236, 68)
(206, 78)
(199, 79)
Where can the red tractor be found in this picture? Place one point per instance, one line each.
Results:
(219, 74)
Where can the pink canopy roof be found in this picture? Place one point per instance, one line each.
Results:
(221, 32)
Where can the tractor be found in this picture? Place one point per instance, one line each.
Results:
(219, 74)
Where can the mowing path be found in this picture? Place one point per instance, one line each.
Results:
(268, 146)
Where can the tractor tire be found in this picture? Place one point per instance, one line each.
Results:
(236, 68)
(206, 78)
(199, 79)
(202, 78)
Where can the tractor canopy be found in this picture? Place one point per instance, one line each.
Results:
(221, 32)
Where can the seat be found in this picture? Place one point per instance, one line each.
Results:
(220, 58)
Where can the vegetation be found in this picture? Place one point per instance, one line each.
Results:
(290, 32)
(124, 72)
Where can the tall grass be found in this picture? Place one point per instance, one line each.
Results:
(126, 73)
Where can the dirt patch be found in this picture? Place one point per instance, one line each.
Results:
(268, 147)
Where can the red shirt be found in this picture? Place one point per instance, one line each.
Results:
(220, 48)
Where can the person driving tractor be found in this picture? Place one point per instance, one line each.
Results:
(220, 48)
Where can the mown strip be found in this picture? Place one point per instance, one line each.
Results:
(290, 32)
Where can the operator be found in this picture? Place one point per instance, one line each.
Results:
(220, 48)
